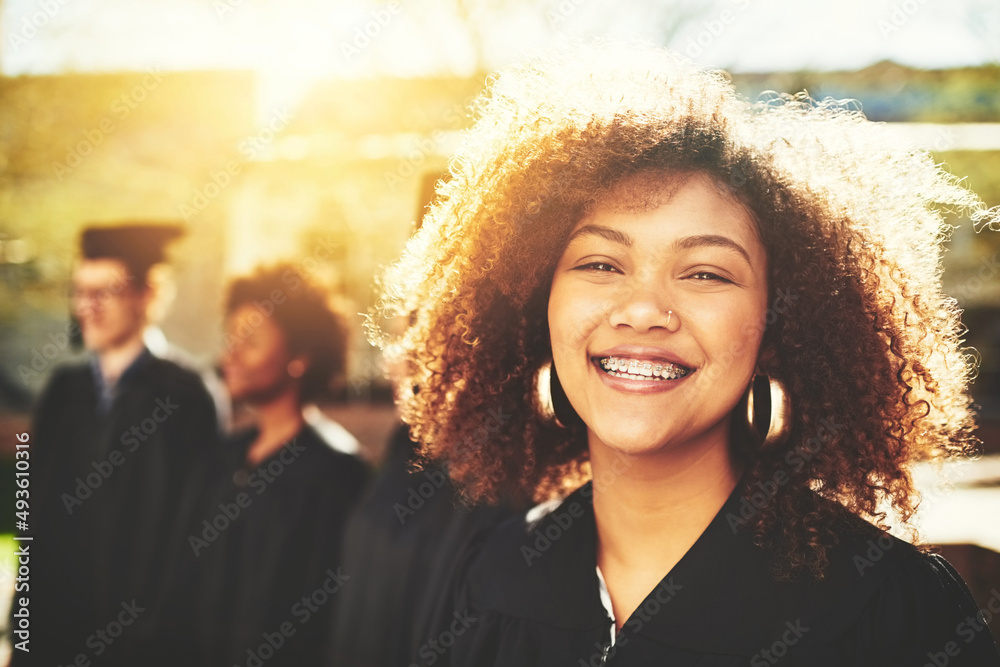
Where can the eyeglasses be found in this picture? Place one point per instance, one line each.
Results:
(101, 295)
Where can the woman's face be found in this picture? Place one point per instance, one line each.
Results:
(656, 313)
(255, 364)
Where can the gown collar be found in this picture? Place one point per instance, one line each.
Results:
(108, 392)
(720, 596)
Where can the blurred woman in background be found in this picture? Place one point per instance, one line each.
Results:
(271, 546)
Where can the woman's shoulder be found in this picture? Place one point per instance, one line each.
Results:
(888, 602)
(921, 611)
(314, 459)
(523, 541)
(538, 566)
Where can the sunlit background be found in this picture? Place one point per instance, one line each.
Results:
(308, 130)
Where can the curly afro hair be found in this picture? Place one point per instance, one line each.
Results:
(852, 223)
(312, 325)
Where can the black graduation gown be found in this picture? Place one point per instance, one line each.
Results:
(529, 595)
(113, 490)
(402, 545)
(270, 552)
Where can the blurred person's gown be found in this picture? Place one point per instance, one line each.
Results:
(401, 547)
(283, 546)
(112, 553)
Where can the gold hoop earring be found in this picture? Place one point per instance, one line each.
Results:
(553, 404)
(779, 406)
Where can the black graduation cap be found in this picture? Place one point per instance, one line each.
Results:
(139, 246)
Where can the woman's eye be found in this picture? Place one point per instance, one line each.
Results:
(601, 267)
(708, 276)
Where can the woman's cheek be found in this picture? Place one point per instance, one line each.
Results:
(584, 312)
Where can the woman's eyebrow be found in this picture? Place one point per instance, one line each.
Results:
(686, 243)
(604, 232)
(716, 240)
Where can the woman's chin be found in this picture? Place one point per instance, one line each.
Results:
(656, 439)
(631, 442)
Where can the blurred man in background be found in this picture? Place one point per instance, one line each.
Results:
(120, 449)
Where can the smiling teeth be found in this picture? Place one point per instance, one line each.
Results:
(641, 370)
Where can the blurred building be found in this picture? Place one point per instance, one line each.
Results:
(332, 179)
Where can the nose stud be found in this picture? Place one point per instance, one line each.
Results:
(670, 316)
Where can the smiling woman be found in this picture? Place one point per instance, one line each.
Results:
(620, 223)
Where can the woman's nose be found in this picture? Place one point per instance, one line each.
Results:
(643, 307)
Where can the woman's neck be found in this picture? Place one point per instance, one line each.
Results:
(278, 421)
(650, 510)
